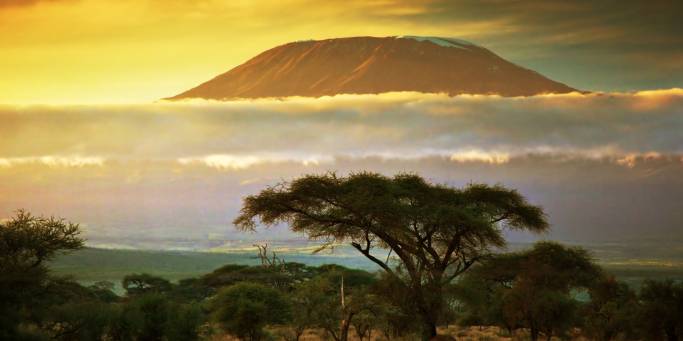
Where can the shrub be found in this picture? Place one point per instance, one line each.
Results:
(245, 308)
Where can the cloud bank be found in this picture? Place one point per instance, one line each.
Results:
(605, 165)
(611, 125)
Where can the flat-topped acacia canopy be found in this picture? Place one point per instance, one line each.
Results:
(436, 231)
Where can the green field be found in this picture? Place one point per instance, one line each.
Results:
(91, 264)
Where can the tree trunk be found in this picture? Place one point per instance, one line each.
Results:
(429, 303)
(533, 333)
(333, 334)
(671, 334)
(346, 324)
(428, 329)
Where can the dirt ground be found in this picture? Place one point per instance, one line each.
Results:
(477, 333)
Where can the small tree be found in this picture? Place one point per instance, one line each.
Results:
(245, 308)
(138, 284)
(363, 324)
(27, 242)
(662, 309)
(437, 232)
(319, 299)
(531, 289)
(104, 291)
(611, 311)
(305, 303)
(85, 320)
(397, 318)
(318, 302)
(152, 310)
(184, 321)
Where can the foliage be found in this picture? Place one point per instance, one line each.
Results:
(611, 312)
(536, 289)
(437, 232)
(104, 291)
(530, 289)
(281, 277)
(662, 309)
(184, 321)
(152, 311)
(26, 243)
(244, 309)
(397, 317)
(138, 284)
(85, 320)
(152, 316)
(318, 303)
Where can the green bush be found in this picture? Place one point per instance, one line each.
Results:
(245, 308)
(184, 321)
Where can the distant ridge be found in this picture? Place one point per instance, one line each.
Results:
(371, 65)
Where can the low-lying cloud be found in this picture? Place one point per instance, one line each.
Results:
(605, 165)
(594, 125)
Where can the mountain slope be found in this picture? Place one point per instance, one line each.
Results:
(369, 65)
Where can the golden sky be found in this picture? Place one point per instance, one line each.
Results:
(130, 51)
(105, 51)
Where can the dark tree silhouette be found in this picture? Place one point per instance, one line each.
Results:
(611, 312)
(662, 309)
(436, 232)
(137, 284)
(531, 289)
(27, 242)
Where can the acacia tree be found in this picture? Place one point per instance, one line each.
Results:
(138, 284)
(531, 289)
(436, 232)
(27, 243)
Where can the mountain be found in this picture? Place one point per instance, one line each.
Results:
(371, 65)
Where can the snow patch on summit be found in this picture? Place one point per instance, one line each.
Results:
(445, 42)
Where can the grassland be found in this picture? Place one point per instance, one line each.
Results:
(92, 264)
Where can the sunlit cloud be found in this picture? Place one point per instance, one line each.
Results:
(239, 162)
(54, 161)
(405, 125)
(630, 160)
(474, 155)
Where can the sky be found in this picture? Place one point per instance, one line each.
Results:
(132, 51)
(84, 136)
